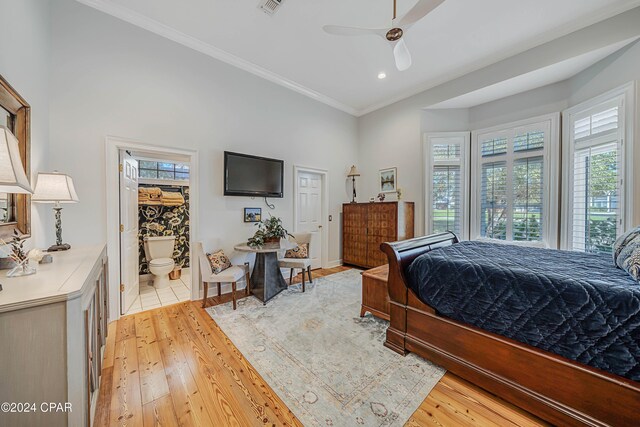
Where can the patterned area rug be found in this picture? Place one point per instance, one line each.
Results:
(325, 362)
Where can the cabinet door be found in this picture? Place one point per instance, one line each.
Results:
(354, 234)
(375, 257)
(382, 220)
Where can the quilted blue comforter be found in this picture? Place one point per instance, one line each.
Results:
(577, 305)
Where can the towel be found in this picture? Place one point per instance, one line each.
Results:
(149, 196)
(170, 198)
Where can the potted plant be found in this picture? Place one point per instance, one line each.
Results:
(270, 231)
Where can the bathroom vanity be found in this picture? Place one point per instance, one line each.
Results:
(53, 327)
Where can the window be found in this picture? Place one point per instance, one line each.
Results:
(511, 182)
(446, 183)
(163, 170)
(594, 179)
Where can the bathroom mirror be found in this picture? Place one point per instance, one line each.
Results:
(15, 114)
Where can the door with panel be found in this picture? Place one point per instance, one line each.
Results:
(129, 275)
(309, 212)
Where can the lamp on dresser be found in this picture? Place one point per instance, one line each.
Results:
(55, 188)
(13, 179)
(352, 174)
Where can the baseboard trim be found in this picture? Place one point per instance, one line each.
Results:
(334, 263)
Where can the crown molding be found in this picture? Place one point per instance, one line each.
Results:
(172, 34)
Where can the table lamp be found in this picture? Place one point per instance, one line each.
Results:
(13, 179)
(352, 174)
(55, 188)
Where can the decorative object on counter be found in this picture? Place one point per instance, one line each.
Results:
(399, 193)
(372, 200)
(352, 174)
(13, 178)
(55, 188)
(252, 214)
(270, 231)
(19, 256)
(388, 180)
(381, 197)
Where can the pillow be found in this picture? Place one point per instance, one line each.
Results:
(300, 251)
(219, 262)
(622, 241)
(629, 258)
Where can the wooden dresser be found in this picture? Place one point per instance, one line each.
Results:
(366, 225)
(53, 326)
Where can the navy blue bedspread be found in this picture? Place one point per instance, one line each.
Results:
(577, 305)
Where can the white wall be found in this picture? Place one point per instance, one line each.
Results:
(24, 63)
(111, 78)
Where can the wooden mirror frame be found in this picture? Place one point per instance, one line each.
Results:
(11, 101)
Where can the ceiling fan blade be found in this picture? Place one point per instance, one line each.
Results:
(419, 11)
(402, 55)
(337, 30)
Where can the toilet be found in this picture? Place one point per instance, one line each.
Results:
(159, 254)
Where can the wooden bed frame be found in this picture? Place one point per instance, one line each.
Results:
(558, 390)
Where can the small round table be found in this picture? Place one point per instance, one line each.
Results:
(266, 279)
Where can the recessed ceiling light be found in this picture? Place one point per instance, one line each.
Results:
(382, 76)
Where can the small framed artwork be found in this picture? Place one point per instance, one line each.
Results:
(252, 214)
(388, 180)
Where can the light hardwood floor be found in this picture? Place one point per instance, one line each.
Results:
(174, 366)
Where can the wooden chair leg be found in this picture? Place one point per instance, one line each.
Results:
(303, 280)
(233, 294)
(204, 300)
(247, 289)
(290, 276)
(219, 290)
(309, 273)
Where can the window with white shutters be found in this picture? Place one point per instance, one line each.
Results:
(446, 186)
(595, 188)
(511, 188)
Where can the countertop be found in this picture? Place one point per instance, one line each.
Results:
(61, 280)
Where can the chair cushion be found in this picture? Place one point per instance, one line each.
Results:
(294, 262)
(231, 274)
(219, 262)
(300, 251)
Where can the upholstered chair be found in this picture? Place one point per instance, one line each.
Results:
(230, 275)
(303, 264)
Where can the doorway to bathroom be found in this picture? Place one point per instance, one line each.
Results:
(154, 193)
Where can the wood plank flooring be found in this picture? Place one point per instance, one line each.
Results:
(174, 366)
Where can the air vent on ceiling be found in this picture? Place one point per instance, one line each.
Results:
(270, 6)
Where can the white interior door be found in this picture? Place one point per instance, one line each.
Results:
(309, 212)
(129, 277)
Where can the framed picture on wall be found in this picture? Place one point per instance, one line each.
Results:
(388, 180)
(252, 214)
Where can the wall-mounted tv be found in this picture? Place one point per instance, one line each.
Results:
(246, 175)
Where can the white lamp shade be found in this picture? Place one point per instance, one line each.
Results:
(13, 179)
(54, 188)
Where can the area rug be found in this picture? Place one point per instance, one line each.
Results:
(325, 362)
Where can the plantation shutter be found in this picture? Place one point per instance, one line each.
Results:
(511, 168)
(596, 177)
(446, 184)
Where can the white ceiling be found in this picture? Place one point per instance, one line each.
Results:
(290, 48)
(541, 77)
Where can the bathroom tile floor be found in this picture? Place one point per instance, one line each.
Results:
(150, 297)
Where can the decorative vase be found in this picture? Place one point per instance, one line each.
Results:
(22, 269)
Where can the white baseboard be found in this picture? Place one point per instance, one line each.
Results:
(334, 263)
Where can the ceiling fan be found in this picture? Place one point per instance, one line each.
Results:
(393, 34)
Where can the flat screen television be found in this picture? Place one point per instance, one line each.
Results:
(246, 175)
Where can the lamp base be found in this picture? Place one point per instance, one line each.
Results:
(56, 248)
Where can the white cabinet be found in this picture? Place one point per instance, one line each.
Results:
(53, 326)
